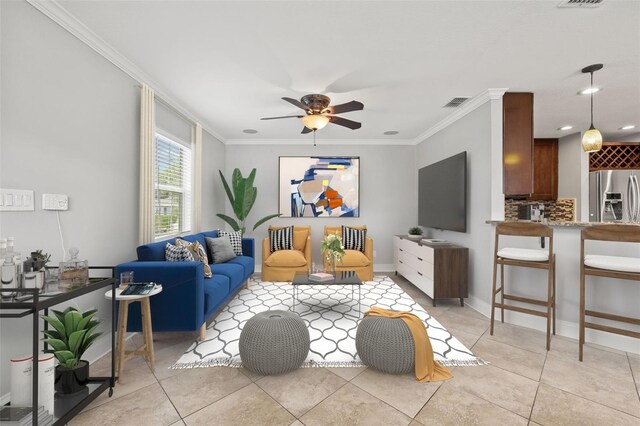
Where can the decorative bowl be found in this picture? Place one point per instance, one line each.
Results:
(414, 237)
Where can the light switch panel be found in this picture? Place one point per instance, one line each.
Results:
(16, 200)
(55, 202)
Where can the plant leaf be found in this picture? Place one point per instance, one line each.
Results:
(91, 313)
(236, 179)
(249, 198)
(85, 321)
(238, 206)
(57, 324)
(56, 344)
(64, 356)
(264, 219)
(71, 321)
(251, 178)
(52, 334)
(75, 340)
(226, 188)
(230, 221)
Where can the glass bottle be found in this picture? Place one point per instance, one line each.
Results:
(8, 279)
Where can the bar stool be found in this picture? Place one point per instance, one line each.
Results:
(528, 258)
(626, 268)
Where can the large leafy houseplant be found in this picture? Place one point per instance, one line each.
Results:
(242, 195)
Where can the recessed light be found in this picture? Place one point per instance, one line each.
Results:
(629, 127)
(589, 91)
(391, 132)
(250, 131)
(565, 128)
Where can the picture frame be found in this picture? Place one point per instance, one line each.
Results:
(319, 186)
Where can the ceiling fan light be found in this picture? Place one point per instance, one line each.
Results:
(592, 140)
(315, 121)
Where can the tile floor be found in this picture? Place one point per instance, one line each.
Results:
(524, 384)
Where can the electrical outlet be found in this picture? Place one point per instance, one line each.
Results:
(16, 200)
(55, 202)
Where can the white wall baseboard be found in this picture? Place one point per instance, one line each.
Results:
(563, 328)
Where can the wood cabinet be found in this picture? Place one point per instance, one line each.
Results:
(545, 169)
(517, 143)
(439, 270)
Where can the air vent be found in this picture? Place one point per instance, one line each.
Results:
(580, 3)
(456, 102)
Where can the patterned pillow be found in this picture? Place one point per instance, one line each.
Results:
(197, 252)
(177, 253)
(353, 239)
(236, 240)
(281, 239)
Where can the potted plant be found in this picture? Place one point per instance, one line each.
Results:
(415, 233)
(39, 259)
(72, 334)
(242, 194)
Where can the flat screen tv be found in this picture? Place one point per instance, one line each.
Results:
(442, 194)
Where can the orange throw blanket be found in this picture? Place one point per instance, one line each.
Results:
(427, 370)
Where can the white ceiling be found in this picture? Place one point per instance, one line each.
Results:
(231, 62)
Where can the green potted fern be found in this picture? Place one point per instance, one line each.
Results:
(242, 194)
(71, 335)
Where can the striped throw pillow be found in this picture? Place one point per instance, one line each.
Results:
(353, 239)
(236, 240)
(281, 239)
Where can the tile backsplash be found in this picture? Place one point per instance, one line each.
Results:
(560, 210)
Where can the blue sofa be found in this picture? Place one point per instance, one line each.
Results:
(187, 299)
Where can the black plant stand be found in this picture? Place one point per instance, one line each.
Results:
(30, 302)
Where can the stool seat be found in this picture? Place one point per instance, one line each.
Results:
(613, 263)
(531, 255)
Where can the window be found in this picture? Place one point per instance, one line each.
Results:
(172, 187)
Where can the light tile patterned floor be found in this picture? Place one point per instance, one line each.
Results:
(524, 384)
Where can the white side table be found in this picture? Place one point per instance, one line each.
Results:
(146, 349)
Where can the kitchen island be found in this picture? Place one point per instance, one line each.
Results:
(620, 297)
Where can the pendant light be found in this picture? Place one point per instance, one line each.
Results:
(592, 139)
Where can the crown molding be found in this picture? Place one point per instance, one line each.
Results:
(469, 106)
(321, 142)
(58, 14)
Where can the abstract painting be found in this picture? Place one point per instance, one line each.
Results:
(319, 186)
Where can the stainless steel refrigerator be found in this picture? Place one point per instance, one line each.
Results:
(614, 195)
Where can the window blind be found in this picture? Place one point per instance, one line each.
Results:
(173, 187)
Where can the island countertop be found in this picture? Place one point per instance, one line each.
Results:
(567, 224)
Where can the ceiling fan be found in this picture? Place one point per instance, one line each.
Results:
(319, 113)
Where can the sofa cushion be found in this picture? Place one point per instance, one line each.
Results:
(353, 239)
(236, 240)
(281, 239)
(177, 253)
(193, 238)
(210, 234)
(216, 290)
(248, 263)
(153, 251)
(220, 249)
(233, 271)
(290, 258)
(198, 252)
(354, 258)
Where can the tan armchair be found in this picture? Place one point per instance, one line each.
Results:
(354, 260)
(282, 265)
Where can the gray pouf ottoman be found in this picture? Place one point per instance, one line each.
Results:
(274, 342)
(385, 344)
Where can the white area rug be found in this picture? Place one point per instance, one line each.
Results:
(332, 318)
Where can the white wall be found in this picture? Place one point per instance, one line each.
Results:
(388, 203)
(633, 137)
(471, 133)
(573, 173)
(70, 126)
(214, 198)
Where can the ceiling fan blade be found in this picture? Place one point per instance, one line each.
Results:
(306, 130)
(284, 116)
(349, 106)
(353, 125)
(296, 103)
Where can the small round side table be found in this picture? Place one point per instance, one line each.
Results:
(146, 349)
